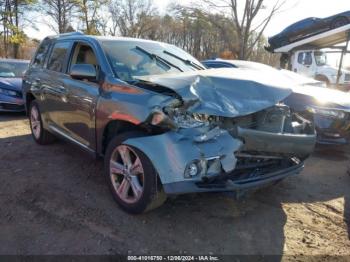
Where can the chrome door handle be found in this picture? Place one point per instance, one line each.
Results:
(61, 89)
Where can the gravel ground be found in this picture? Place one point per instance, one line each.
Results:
(54, 200)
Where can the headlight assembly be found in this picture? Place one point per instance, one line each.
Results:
(181, 118)
(175, 118)
(327, 112)
(189, 120)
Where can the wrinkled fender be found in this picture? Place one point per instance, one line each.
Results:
(171, 152)
(123, 102)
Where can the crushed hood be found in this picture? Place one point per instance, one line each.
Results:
(224, 92)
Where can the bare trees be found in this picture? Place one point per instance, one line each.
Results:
(195, 31)
(90, 17)
(227, 28)
(131, 18)
(221, 26)
(249, 27)
(65, 12)
(60, 11)
(12, 18)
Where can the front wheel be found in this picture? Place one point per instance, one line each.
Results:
(131, 177)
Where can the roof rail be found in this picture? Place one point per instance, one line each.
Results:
(64, 35)
(71, 33)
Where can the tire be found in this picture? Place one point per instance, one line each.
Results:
(39, 134)
(136, 192)
(339, 22)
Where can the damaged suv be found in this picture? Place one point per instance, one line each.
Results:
(163, 123)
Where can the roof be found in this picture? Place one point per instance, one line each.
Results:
(323, 40)
(79, 35)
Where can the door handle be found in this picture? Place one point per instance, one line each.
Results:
(61, 89)
(36, 83)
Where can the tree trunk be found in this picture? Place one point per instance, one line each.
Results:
(59, 7)
(16, 45)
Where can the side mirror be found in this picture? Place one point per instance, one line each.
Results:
(83, 71)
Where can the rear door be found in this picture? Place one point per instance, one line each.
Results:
(34, 74)
(54, 93)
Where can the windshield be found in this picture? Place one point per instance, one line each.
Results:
(12, 69)
(132, 59)
(321, 58)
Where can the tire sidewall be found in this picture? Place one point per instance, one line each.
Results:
(150, 176)
(35, 104)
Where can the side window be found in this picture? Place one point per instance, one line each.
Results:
(308, 59)
(83, 54)
(39, 58)
(219, 65)
(305, 58)
(58, 56)
(301, 58)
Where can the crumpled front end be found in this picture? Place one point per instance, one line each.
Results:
(201, 153)
(219, 131)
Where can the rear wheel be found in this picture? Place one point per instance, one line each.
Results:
(131, 177)
(339, 22)
(40, 135)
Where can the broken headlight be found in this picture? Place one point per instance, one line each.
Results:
(184, 119)
(188, 120)
(327, 112)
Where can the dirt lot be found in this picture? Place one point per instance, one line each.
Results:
(53, 200)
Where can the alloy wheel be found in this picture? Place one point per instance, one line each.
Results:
(35, 122)
(126, 174)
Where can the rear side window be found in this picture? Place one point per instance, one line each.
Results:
(219, 65)
(39, 58)
(57, 60)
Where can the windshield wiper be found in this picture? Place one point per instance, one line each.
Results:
(160, 59)
(186, 61)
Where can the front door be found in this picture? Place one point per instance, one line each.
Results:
(82, 95)
(305, 64)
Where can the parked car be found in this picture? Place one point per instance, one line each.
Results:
(307, 27)
(11, 73)
(163, 123)
(328, 108)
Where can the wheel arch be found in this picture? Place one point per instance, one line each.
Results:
(323, 78)
(117, 127)
(29, 98)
